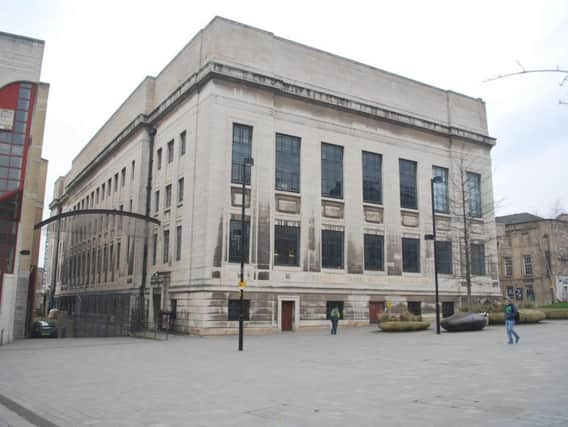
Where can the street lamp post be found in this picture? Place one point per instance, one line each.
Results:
(248, 161)
(432, 181)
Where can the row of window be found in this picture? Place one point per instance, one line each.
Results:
(287, 173)
(96, 265)
(166, 246)
(517, 293)
(287, 250)
(168, 195)
(170, 150)
(106, 188)
(414, 307)
(527, 266)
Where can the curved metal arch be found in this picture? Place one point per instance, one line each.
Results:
(96, 212)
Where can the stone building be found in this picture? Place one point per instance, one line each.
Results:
(533, 257)
(337, 203)
(23, 104)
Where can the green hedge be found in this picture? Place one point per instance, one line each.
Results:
(555, 313)
(403, 326)
(527, 316)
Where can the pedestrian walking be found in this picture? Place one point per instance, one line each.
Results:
(511, 316)
(335, 314)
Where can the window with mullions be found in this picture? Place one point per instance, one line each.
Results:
(527, 265)
(508, 262)
(441, 196)
(178, 242)
(235, 308)
(331, 170)
(374, 252)
(444, 257)
(180, 190)
(287, 163)
(332, 249)
(330, 305)
(170, 147)
(408, 191)
(235, 241)
(530, 292)
(474, 194)
(286, 245)
(168, 202)
(242, 141)
(372, 177)
(182, 142)
(477, 254)
(166, 247)
(411, 255)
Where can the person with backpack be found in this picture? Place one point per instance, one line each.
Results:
(334, 315)
(511, 317)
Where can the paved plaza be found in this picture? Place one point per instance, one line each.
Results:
(360, 377)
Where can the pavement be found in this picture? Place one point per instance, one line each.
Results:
(360, 377)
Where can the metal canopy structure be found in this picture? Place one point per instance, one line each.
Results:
(99, 263)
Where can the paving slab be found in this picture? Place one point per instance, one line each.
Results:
(360, 377)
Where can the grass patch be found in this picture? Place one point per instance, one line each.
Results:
(556, 305)
(403, 326)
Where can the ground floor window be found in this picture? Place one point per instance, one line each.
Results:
(415, 307)
(331, 305)
(235, 241)
(286, 245)
(530, 293)
(332, 249)
(444, 257)
(411, 255)
(235, 308)
(519, 294)
(510, 292)
(374, 252)
(447, 309)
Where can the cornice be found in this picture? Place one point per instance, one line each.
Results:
(217, 70)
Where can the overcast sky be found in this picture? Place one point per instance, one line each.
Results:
(97, 52)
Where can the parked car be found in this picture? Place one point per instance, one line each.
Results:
(43, 328)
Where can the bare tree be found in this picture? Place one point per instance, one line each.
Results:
(470, 202)
(523, 71)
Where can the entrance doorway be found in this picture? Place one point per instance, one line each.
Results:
(376, 308)
(287, 315)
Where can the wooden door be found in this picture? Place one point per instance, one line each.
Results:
(376, 308)
(287, 315)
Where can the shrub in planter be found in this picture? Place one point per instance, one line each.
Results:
(555, 313)
(531, 316)
(403, 326)
(526, 315)
(401, 322)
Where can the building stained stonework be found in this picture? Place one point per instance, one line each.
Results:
(336, 205)
(533, 258)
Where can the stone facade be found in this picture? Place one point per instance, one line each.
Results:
(231, 75)
(533, 257)
(23, 106)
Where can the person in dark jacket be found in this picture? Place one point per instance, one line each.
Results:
(335, 315)
(510, 316)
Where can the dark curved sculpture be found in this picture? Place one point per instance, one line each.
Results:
(464, 322)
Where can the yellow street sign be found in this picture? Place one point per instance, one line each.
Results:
(242, 284)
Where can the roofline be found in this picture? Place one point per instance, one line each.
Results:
(221, 18)
(17, 36)
(534, 220)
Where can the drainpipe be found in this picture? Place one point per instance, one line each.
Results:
(151, 133)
